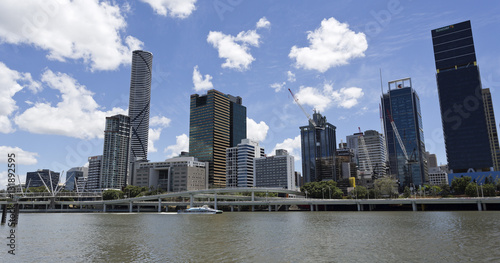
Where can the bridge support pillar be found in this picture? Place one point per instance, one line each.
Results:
(104, 208)
(414, 206)
(479, 207)
(130, 207)
(138, 208)
(191, 200)
(253, 208)
(159, 205)
(239, 208)
(484, 206)
(312, 208)
(286, 207)
(215, 201)
(4, 214)
(276, 208)
(269, 208)
(316, 208)
(232, 208)
(359, 207)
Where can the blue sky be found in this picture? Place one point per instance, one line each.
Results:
(65, 66)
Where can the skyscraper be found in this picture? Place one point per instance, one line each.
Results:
(319, 145)
(94, 178)
(138, 111)
(402, 105)
(492, 129)
(375, 147)
(463, 116)
(115, 154)
(275, 171)
(240, 170)
(217, 121)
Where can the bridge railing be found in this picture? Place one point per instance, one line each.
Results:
(45, 194)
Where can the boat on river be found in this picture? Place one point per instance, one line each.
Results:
(200, 210)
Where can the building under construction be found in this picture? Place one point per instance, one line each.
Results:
(318, 144)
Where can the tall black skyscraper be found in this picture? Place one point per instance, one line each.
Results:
(217, 121)
(318, 143)
(460, 98)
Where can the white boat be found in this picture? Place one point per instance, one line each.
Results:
(200, 210)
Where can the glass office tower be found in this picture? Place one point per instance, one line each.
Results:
(115, 154)
(318, 144)
(402, 104)
(217, 121)
(460, 98)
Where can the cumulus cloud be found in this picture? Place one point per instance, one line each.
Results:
(181, 145)
(200, 83)
(278, 86)
(291, 145)
(159, 121)
(290, 76)
(263, 23)
(235, 49)
(256, 131)
(86, 30)
(323, 99)
(22, 156)
(332, 44)
(175, 8)
(76, 115)
(11, 82)
(153, 136)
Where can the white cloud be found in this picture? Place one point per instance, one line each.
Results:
(236, 49)
(176, 8)
(87, 30)
(256, 131)
(291, 145)
(21, 156)
(159, 121)
(181, 145)
(278, 86)
(333, 44)
(263, 23)
(11, 82)
(153, 136)
(323, 99)
(200, 83)
(347, 97)
(76, 115)
(290, 76)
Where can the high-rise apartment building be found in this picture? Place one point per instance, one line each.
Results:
(138, 109)
(377, 154)
(115, 154)
(240, 170)
(276, 171)
(492, 129)
(401, 104)
(465, 127)
(319, 145)
(217, 121)
(94, 174)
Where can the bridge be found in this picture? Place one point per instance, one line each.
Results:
(227, 197)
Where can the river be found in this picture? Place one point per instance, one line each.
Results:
(257, 237)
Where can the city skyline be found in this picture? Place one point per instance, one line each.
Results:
(60, 92)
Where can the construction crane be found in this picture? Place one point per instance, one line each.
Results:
(409, 160)
(302, 108)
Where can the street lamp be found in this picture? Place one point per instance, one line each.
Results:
(330, 191)
(306, 193)
(323, 191)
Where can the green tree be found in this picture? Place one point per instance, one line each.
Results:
(406, 192)
(386, 187)
(445, 189)
(112, 195)
(472, 189)
(360, 192)
(322, 189)
(39, 189)
(458, 184)
(435, 190)
(373, 193)
(489, 190)
(133, 191)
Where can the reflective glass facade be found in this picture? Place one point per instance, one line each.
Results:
(213, 127)
(115, 154)
(318, 150)
(403, 105)
(460, 97)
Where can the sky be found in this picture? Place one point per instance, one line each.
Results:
(65, 66)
